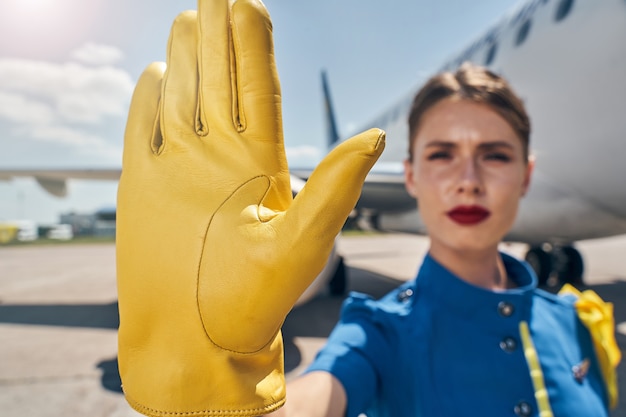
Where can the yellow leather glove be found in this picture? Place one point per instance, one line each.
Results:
(212, 252)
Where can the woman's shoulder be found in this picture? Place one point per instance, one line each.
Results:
(396, 303)
(556, 299)
(549, 305)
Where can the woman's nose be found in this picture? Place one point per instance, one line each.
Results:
(470, 181)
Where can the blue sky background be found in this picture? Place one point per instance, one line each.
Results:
(68, 69)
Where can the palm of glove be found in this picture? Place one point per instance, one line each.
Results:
(212, 252)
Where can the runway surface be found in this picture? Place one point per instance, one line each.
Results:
(58, 317)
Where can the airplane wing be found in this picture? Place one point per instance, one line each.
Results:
(382, 191)
(54, 181)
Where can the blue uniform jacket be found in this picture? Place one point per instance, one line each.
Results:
(438, 346)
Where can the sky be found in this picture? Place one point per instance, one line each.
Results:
(68, 70)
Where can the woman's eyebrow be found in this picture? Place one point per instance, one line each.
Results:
(496, 144)
(440, 143)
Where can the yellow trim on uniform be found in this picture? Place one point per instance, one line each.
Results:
(536, 374)
(597, 316)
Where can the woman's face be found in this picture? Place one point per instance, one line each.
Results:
(468, 174)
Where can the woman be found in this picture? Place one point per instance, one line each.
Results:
(472, 335)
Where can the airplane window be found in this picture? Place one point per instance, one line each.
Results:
(522, 34)
(564, 8)
(491, 54)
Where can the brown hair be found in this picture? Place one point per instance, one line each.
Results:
(474, 83)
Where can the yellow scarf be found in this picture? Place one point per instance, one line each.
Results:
(597, 316)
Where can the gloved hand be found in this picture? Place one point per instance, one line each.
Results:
(212, 252)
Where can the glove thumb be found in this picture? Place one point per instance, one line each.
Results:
(334, 187)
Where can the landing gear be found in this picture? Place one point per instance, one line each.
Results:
(541, 262)
(339, 282)
(556, 265)
(570, 265)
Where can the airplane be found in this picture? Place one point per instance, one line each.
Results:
(566, 58)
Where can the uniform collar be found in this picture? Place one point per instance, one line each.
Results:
(441, 286)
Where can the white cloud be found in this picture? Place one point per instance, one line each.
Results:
(97, 54)
(65, 135)
(66, 107)
(75, 92)
(81, 142)
(94, 94)
(21, 109)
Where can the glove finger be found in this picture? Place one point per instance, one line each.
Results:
(216, 85)
(333, 189)
(258, 87)
(258, 96)
(180, 85)
(143, 134)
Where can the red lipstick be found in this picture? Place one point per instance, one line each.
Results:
(468, 215)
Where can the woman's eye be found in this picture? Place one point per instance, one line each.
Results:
(439, 155)
(497, 156)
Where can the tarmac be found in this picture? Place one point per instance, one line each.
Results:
(58, 317)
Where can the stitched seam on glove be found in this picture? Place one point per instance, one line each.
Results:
(242, 412)
(202, 319)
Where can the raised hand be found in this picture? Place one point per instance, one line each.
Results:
(212, 252)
